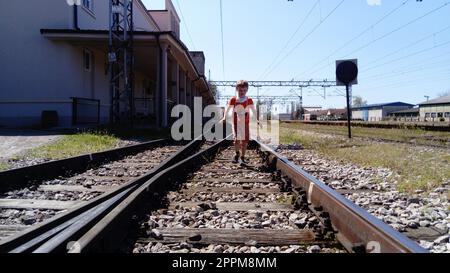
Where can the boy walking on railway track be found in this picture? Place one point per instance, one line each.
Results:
(242, 107)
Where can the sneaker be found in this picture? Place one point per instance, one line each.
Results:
(236, 159)
(243, 161)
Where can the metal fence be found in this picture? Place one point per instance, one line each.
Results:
(85, 111)
(144, 107)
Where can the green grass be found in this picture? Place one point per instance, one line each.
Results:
(413, 136)
(417, 171)
(131, 133)
(73, 145)
(4, 166)
(286, 200)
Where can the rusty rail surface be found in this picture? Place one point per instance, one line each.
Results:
(357, 230)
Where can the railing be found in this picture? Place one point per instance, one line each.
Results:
(144, 106)
(85, 111)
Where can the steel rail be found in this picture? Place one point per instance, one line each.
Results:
(54, 234)
(108, 233)
(16, 178)
(358, 230)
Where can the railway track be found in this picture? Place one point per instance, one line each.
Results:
(228, 208)
(199, 202)
(41, 201)
(24, 207)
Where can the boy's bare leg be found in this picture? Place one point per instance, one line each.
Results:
(243, 151)
(244, 148)
(237, 148)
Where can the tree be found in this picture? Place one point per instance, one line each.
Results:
(358, 101)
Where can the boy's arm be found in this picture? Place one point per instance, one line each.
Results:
(224, 119)
(227, 111)
(254, 112)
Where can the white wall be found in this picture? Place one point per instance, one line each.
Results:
(357, 114)
(34, 68)
(39, 74)
(375, 115)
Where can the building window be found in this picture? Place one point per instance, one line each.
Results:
(427, 115)
(447, 114)
(440, 115)
(433, 115)
(87, 60)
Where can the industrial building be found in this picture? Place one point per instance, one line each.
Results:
(326, 115)
(55, 60)
(411, 115)
(435, 110)
(378, 112)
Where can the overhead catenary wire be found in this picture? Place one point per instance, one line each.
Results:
(305, 37)
(393, 75)
(411, 68)
(432, 35)
(397, 29)
(385, 35)
(370, 28)
(431, 74)
(185, 25)
(299, 27)
(408, 82)
(409, 55)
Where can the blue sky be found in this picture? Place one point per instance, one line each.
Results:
(403, 57)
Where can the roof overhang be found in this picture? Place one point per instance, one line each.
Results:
(140, 39)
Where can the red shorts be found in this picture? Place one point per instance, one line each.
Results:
(245, 136)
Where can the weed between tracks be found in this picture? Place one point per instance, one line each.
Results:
(418, 170)
(287, 200)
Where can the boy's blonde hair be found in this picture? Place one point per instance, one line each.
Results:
(242, 83)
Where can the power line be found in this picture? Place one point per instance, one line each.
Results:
(409, 82)
(359, 35)
(397, 29)
(409, 55)
(291, 38)
(416, 68)
(185, 26)
(411, 45)
(398, 74)
(385, 35)
(306, 37)
(403, 79)
(221, 31)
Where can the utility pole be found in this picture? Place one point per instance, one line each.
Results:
(301, 102)
(257, 110)
(300, 99)
(121, 60)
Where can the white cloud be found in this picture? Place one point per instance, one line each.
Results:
(374, 2)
